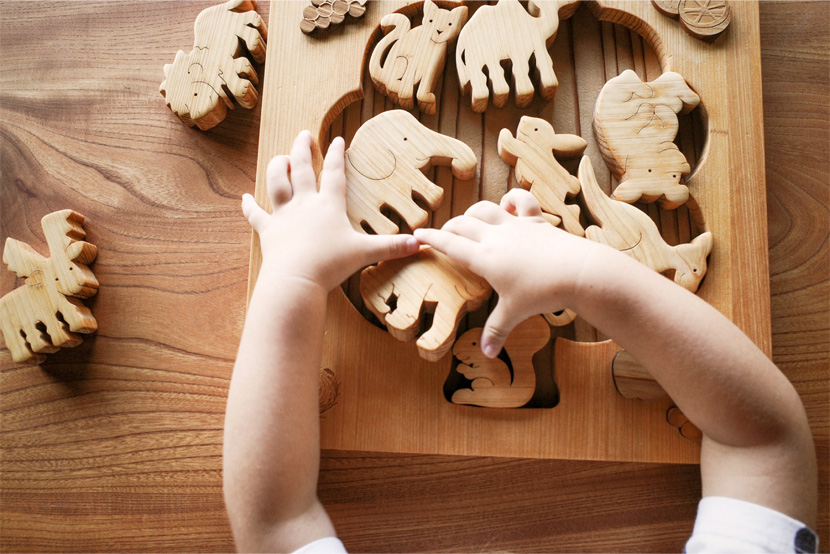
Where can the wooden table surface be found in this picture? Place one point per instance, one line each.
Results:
(116, 445)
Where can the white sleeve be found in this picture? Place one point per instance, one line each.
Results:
(328, 545)
(735, 526)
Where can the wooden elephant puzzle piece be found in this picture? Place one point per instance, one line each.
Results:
(508, 32)
(635, 124)
(408, 57)
(398, 291)
(320, 14)
(197, 85)
(703, 19)
(44, 314)
(384, 164)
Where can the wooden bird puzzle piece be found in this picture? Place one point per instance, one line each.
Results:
(508, 32)
(631, 231)
(320, 14)
(635, 124)
(384, 166)
(493, 385)
(44, 314)
(409, 57)
(196, 85)
(398, 291)
(703, 19)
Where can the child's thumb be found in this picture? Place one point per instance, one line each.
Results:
(388, 247)
(499, 325)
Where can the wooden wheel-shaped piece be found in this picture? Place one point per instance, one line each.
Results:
(703, 19)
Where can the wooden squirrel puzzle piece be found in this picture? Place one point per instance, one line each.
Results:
(631, 231)
(44, 314)
(398, 291)
(320, 14)
(384, 166)
(409, 57)
(635, 124)
(196, 85)
(493, 385)
(508, 32)
(703, 19)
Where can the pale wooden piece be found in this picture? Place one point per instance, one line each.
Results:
(197, 84)
(52, 287)
(492, 385)
(384, 166)
(635, 124)
(414, 57)
(320, 14)
(429, 279)
(629, 230)
(703, 19)
(508, 32)
(632, 380)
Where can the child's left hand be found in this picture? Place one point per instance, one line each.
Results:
(308, 236)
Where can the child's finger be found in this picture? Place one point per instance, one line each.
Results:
(387, 247)
(460, 249)
(333, 179)
(488, 212)
(277, 183)
(521, 203)
(303, 179)
(497, 328)
(252, 212)
(467, 227)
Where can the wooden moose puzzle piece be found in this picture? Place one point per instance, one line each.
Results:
(398, 291)
(320, 14)
(703, 19)
(635, 124)
(196, 85)
(493, 385)
(408, 57)
(384, 166)
(41, 316)
(508, 32)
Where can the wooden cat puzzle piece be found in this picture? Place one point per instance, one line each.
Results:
(197, 84)
(41, 316)
(631, 231)
(384, 166)
(409, 57)
(320, 14)
(508, 32)
(635, 124)
(397, 291)
(493, 385)
(703, 19)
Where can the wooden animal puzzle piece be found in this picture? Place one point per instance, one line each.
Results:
(631, 231)
(398, 291)
(409, 57)
(531, 152)
(703, 19)
(635, 124)
(44, 314)
(197, 85)
(322, 13)
(508, 32)
(384, 166)
(493, 385)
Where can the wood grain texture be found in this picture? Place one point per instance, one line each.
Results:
(116, 445)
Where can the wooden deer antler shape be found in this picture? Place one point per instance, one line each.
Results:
(35, 317)
(493, 385)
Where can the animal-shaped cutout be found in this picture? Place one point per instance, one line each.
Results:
(384, 166)
(631, 231)
(635, 124)
(35, 316)
(537, 170)
(409, 57)
(398, 291)
(493, 385)
(703, 19)
(197, 84)
(508, 32)
(322, 13)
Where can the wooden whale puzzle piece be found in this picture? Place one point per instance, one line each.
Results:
(493, 385)
(508, 32)
(196, 85)
(320, 14)
(408, 57)
(631, 231)
(384, 166)
(635, 124)
(703, 19)
(398, 291)
(44, 314)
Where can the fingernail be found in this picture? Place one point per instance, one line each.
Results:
(412, 243)
(419, 232)
(490, 351)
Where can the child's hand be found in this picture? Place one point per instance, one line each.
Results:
(308, 236)
(532, 265)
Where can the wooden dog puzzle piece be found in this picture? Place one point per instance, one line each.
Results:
(635, 124)
(703, 19)
(197, 84)
(320, 14)
(409, 57)
(508, 32)
(41, 316)
(398, 291)
(493, 386)
(631, 231)
(384, 166)
(531, 152)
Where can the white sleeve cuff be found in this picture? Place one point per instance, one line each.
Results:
(328, 545)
